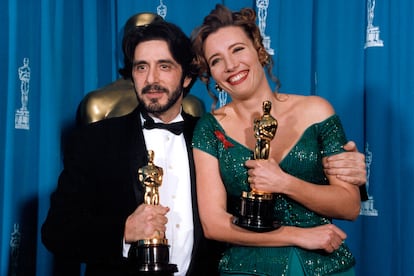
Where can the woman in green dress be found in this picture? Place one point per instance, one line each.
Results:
(229, 48)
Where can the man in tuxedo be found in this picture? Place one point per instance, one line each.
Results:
(97, 214)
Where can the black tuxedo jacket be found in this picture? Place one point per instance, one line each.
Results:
(98, 189)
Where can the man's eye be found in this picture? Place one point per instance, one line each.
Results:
(139, 67)
(165, 66)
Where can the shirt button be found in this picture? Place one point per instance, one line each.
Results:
(177, 225)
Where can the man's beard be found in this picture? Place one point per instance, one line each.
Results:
(154, 106)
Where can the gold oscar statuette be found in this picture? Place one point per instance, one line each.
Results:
(152, 254)
(257, 207)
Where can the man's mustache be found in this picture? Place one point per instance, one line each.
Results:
(154, 88)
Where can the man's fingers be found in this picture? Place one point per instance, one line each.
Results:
(351, 146)
(353, 180)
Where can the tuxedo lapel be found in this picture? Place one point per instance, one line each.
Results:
(138, 154)
(189, 126)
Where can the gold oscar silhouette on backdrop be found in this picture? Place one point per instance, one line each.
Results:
(257, 207)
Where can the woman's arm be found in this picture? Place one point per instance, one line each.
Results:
(337, 200)
(217, 222)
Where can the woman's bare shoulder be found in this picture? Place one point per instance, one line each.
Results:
(314, 108)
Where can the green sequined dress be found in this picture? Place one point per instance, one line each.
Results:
(304, 161)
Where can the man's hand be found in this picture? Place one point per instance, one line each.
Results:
(147, 221)
(348, 166)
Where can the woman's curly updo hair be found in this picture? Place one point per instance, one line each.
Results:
(221, 17)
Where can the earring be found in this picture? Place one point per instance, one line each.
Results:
(267, 59)
(222, 95)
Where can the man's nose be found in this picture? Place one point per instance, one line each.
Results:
(152, 76)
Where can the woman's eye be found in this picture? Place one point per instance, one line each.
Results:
(214, 61)
(237, 49)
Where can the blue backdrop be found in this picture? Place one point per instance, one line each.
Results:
(357, 54)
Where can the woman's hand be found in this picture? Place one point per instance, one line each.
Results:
(263, 174)
(326, 237)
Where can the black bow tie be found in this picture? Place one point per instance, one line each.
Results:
(176, 128)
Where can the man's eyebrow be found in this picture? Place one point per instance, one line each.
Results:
(170, 61)
(138, 62)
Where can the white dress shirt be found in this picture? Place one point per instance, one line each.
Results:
(170, 153)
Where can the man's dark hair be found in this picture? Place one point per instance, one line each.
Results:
(178, 43)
